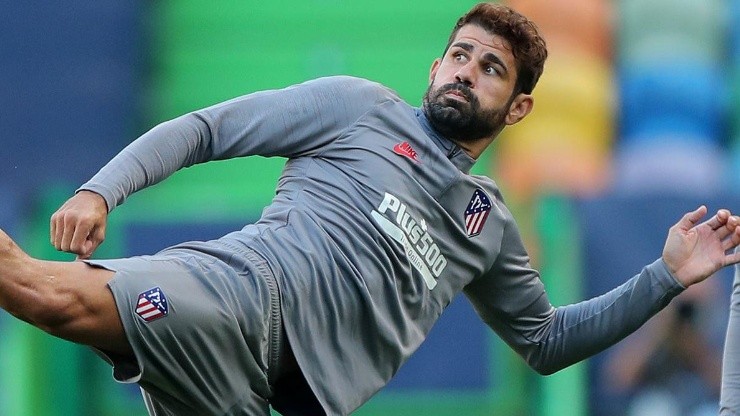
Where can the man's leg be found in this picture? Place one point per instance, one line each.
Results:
(68, 300)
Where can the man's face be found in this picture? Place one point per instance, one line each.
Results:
(470, 90)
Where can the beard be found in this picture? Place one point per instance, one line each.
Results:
(464, 121)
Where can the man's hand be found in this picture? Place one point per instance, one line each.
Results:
(694, 252)
(78, 226)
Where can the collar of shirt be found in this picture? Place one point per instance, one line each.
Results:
(454, 153)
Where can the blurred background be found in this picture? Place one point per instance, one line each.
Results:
(635, 123)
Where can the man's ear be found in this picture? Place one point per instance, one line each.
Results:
(433, 70)
(519, 108)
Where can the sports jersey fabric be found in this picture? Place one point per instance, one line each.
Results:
(376, 225)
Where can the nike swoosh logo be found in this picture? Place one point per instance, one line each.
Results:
(405, 149)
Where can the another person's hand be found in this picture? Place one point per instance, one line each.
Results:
(78, 226)
(694, 252)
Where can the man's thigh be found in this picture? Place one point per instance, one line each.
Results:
(90, 316)
(199, 330)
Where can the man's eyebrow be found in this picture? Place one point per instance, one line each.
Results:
(489, 56)
(464, 45)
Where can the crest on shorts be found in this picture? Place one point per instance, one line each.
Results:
(477, 212)
(152, 305)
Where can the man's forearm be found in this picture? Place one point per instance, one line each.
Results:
(152, 158)
(586, 328)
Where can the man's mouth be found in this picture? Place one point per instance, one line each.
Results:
(457, 92)
(457, 95)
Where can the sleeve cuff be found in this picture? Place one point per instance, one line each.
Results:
(110, 201)
(665, 278)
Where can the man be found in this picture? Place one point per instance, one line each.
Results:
(730, 394)
(375, 227)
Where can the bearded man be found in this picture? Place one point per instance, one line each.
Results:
(375, 227)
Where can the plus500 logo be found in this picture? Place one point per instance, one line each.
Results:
(394, 218)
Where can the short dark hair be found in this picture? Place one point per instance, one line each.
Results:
(528, 47)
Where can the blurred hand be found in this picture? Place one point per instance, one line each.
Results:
(78, 226)
(694, 252)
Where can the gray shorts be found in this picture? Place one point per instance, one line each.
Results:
(206, 335)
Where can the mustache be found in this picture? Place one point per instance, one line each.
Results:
(458, 87)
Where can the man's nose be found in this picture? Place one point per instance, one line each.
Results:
(465, 74)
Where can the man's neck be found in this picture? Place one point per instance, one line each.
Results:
(474, 148)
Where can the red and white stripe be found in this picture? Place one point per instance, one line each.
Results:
(147, 310)
(474, 222)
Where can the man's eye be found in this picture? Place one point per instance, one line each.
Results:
(489, 70)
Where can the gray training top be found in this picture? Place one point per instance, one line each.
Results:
(375, 227)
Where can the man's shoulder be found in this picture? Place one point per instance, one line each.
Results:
(354, 86)
(491, 188)
(348, 80)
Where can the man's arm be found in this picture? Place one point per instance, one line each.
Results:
(295, 121)
(292, 122)
(512, 300)
(730, 396)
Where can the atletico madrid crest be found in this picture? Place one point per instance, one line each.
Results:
(152, 305)
(477, 212)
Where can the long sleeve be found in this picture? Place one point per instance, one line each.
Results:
(730, 396)
(512, 301)
(295, 121)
